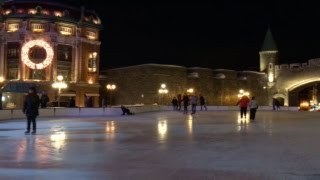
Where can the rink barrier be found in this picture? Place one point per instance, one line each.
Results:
(114, 111)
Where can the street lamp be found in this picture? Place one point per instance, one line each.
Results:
(59, 85)
(163, 90)
(111, 87)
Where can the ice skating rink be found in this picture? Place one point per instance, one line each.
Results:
(165, 145)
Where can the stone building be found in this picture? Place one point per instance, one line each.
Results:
(291, 84)
(40, 40)
(141, 83)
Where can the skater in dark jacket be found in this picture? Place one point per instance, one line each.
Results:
(202, 103)
(126, 111)
(175, 103)
(31, 109)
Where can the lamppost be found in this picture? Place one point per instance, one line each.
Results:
(111, 87)
(163, 90)
(59, 85)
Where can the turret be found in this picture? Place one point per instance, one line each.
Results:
(268, 56)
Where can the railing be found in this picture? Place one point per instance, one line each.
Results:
(7, 114)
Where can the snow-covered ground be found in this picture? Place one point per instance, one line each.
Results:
(165, 145)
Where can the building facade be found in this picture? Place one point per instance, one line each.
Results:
(40, 40)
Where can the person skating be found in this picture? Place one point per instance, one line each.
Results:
(31, 109)
(202, 103)
(243, 103)
(253, 105)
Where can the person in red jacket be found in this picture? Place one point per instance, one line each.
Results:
(243, 103)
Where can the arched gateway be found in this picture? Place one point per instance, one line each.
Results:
(291, 83)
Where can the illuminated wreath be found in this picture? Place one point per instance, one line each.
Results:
(25, 54)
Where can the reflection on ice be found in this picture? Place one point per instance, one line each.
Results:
(31, 147)
(190, 125)
(243, 123)
(244, 120)
(110, 129)
(58, 139)
(162, 130)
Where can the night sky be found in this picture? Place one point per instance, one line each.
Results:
(225, 34)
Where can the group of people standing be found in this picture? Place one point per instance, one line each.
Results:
(244, 103)
(186, 100)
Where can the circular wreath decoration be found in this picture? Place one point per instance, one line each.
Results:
(25, 54)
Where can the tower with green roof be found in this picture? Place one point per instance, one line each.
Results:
(268, 56)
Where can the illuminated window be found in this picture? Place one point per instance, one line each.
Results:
(38, 27)
(13, 57)
(91, 35)
(58, 13)
(64, 30)
(6, 12)
(270, 77)
(13, 27)
(92, 62)
(32, 11)
(95, 21)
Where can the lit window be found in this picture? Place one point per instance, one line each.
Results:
(38, 27)
(32, 11)
(92, 62)
(7, 12)
(270, 77)
(96, 21)
(13, 27)
(58, 13)
(65, 30)
(91, 35)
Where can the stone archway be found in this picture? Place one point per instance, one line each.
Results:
(281, 98)
(304, 92)
(289, 84)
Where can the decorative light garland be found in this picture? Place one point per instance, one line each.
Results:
(25, 54)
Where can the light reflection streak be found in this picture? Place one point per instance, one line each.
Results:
(190, 125)
(33, 148)
(58, 139)
(243, 123)
(162, 130)
(110, 129)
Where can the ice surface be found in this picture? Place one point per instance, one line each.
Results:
(164, 145)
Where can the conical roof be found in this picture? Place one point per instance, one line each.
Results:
(269, 43)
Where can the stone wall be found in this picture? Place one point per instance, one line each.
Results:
(134, 81)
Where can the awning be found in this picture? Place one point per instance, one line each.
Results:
(92, 94)
(68, 94)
